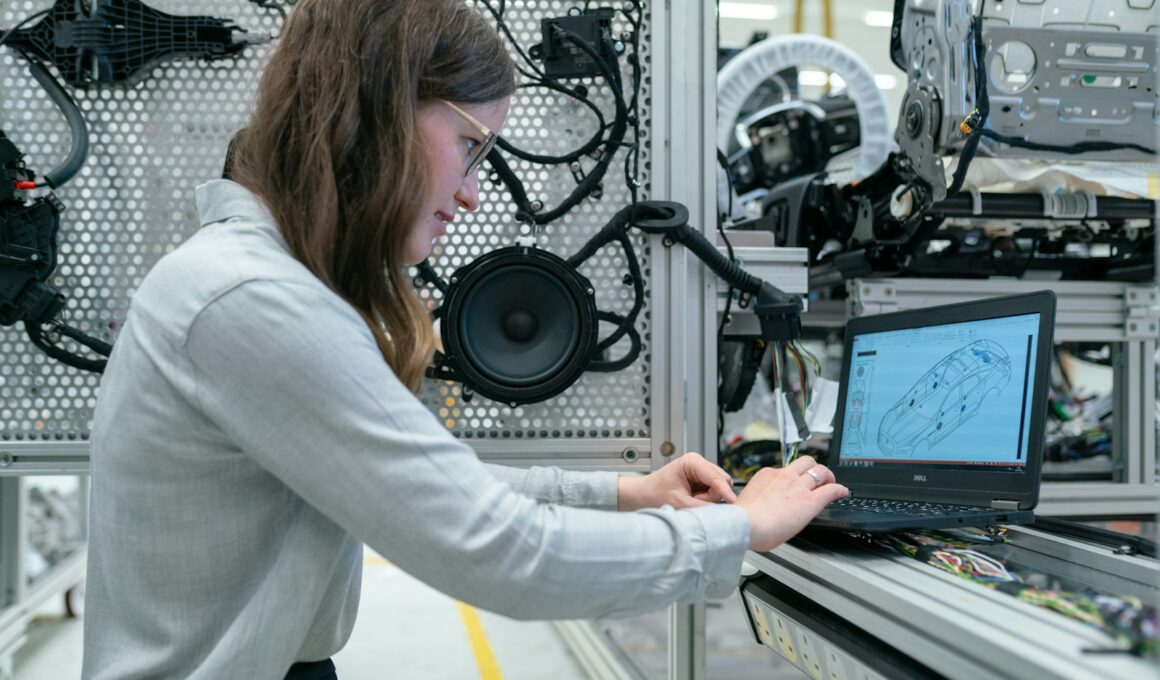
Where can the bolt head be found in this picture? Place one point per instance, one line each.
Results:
(912, 120)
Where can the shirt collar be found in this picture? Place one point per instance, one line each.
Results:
(222, 199)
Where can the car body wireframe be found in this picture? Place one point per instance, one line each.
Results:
(945, 397)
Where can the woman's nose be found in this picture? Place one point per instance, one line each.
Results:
(468, 194)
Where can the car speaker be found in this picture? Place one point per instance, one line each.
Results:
(519, 325)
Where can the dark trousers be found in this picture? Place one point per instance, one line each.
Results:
(312, 670)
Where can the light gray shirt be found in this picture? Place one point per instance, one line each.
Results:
(249, 437)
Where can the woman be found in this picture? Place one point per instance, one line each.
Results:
(258, 421)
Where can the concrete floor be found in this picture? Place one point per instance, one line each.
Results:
(407, 630)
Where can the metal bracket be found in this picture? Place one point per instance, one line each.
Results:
(1142, 312)
(870, 297)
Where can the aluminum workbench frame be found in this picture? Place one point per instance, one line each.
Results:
(953, 626)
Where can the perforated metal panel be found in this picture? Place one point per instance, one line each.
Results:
(153, 142)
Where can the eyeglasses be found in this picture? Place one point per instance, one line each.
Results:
(482, 148)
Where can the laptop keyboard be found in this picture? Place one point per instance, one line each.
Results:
(889, 507)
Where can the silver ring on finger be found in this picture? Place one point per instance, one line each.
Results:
(815, 476)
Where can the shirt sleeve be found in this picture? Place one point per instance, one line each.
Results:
(291, 375)
(595, 490)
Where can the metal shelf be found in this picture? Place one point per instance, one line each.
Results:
(939, 621)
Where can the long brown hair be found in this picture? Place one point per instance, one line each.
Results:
(333, 147)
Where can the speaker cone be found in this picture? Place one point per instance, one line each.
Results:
(519, 325)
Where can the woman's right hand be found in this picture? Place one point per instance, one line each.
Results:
(781, 501)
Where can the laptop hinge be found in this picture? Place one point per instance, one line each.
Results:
(1000, 504)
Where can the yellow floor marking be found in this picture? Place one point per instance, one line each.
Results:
(488, 668)
(374, 559)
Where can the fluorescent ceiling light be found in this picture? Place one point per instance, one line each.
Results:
(812, 78)
(885, 81)
(879, 18)
(815, 78)
(747, 10)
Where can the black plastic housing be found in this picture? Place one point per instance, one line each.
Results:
(563, 59)
(124, 38)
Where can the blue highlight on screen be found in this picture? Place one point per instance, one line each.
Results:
(953, 394)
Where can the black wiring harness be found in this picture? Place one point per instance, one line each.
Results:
(603, 146)
(28, 230)
(115, 42)
(610, 135)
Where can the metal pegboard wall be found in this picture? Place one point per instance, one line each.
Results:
(132, 202)
(599, 405)
(153, 142)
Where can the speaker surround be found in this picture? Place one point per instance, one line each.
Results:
(519, 325)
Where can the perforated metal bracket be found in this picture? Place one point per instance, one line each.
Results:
(1066, 86)
(921, 117)
(1059, 72)
(935, 43)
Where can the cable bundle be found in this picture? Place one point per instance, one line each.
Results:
(1127, 619)
(609, 136)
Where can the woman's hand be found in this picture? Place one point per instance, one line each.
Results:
(780, 502)
(686, 482)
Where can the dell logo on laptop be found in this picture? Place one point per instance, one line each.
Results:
(920, 478)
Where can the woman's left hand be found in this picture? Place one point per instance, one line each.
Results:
(687, 482)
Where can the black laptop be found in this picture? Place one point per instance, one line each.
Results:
(941, 415)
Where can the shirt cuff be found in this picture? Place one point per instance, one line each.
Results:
(725, 538)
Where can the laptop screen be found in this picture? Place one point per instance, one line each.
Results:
(948, 396)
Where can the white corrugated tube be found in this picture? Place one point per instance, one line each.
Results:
(742, 74)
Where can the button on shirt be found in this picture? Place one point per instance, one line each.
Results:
(249, 437)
